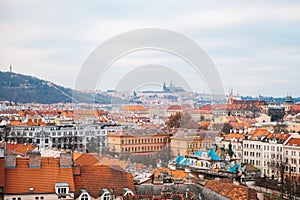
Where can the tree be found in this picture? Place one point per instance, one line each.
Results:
(181, 120)
(174, 120)
(226, 128)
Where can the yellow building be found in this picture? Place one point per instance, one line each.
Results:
(185, 142)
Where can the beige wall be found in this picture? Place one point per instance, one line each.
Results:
(114, 141)
(293, 127)
(32, 196)
(185, 146)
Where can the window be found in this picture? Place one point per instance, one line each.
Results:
(84, 197)
(105, 196)
(62, 190)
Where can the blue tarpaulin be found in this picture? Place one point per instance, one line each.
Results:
(179, 159)
(185, 162)
(198, 153)
(212, 154)
(234, 168)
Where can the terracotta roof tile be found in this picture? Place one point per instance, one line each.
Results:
(1, 172)
(76, 155)
(19, 179)
(229, 190)
(178, 174)
(96, 177)
(294, 142)
(22, 149)
(88, 159)
(295, 108)
(133, 108)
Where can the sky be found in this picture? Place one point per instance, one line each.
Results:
(254, 45)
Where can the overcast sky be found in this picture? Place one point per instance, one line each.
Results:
(254, 45)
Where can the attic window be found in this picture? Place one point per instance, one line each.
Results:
(84, 197)
(105, 194)
(62, 189)
(126, 192)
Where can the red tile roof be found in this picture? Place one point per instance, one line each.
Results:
(178, 107)
(293, 142)
(295, 108)
(19, 179)
(87, 159)
(22, 148)
(1, 172)
(178, 174)
(133, 108)
(238, 136)
(96, 177)
(229, 190)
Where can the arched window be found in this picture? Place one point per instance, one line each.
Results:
(84, 197)
(105, 196)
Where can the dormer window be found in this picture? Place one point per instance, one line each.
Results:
(62, 189)
(84, 195)
(126, 192)
(105, 194)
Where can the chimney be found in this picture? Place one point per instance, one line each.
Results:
(10, 161)
(65, 160)
(34, 159)
(2, 150)
(76, 170)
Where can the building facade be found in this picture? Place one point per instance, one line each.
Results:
(138, 141)
(79, 137)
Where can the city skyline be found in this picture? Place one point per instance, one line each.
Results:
(254, 46)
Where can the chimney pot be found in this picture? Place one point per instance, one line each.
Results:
(34, 159)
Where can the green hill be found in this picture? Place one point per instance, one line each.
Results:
(28, 89)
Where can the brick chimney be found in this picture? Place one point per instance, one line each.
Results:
(2, 150)
(34, 159)
(76, 170)
(65, 160)
(10, 161)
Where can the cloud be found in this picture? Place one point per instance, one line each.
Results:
(242, 38)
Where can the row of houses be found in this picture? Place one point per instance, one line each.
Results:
(47, 178)
(276, 154)
(80, 137)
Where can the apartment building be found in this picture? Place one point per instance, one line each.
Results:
(189, 141)
(138, 141)
(292, 160)
(78, 137)
(236, 142)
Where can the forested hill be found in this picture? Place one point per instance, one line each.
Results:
(28, 89)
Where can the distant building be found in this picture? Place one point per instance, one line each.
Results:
(78, 137)
(138, 141)
(186, 142)
(292, 160)
(172, 88)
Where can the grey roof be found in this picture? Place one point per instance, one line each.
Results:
(199, 191)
